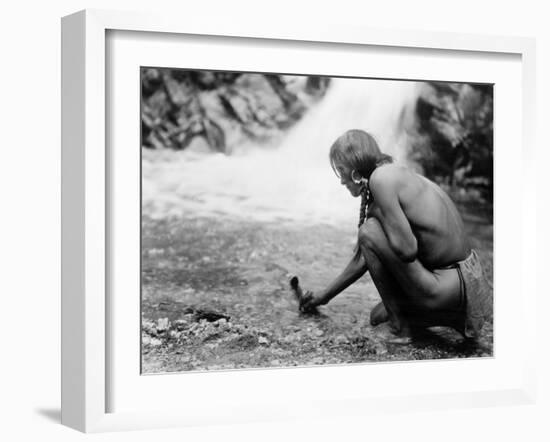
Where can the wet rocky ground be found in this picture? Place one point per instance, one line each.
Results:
(215, 295)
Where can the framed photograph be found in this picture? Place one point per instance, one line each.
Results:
(250, 213)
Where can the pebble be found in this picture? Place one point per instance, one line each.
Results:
(153, 342)
(341, 339)
(163, 324)
(155, 252)
(149, 327)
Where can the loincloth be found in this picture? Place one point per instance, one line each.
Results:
(476, 296)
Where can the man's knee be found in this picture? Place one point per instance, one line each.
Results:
(371, 235)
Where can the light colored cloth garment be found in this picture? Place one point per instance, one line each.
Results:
(477, 295)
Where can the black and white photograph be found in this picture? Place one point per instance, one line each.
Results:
(306, 220)
(233, 221)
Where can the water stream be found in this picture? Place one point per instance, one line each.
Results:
(290, 181)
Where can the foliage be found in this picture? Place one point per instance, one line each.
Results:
(454, 140)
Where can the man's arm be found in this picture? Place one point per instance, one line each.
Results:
(356, 268)
(385, 188)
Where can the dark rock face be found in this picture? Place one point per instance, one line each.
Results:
(222, 108)
(454, 143)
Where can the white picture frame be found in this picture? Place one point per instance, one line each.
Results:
(86, 205)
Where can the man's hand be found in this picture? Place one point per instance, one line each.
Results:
(307, 301)
(310, 301)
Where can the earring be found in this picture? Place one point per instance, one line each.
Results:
(359, 180)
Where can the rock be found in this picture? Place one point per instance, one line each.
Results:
(174, 334)
(199, 144)
(224, 109)
(181, 324)
(211, 337)
(244, 342)
(178, 92)
(155, 252)
(262, 94)
(209, 315)
(149, 327)
(341, 339)
(152, 342)
(238, 107)
(263, 340)
(316, 85)
(162, 325)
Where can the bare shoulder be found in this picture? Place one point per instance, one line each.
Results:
(390, 176)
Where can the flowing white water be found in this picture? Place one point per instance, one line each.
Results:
(293, 181)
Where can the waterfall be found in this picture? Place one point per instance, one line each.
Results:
(294, 180)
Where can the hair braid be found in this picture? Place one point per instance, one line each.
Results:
(365, 196)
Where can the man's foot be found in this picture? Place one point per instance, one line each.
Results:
(379, 314)
(401, 340)
(404, 333)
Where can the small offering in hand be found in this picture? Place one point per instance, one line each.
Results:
(301, 297)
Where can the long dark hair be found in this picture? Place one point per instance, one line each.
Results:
(359, 151)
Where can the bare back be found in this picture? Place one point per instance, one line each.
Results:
(433, 217)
